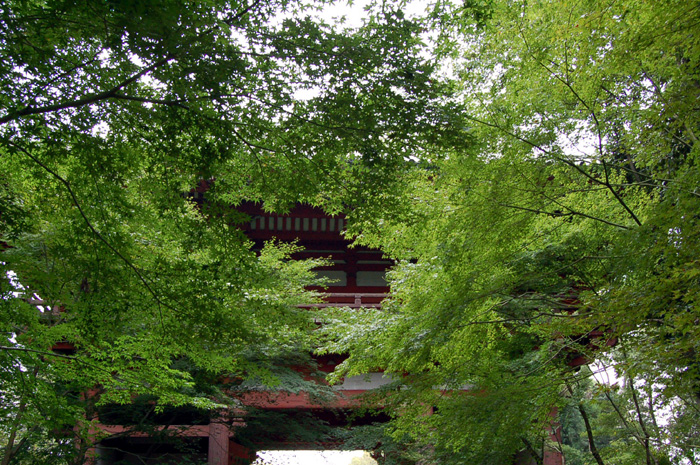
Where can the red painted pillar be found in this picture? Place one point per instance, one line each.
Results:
(551, 455)
(218, 444)
(240, 455)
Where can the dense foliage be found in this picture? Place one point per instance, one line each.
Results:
(116, 117)
(539, 194)
(566, 224)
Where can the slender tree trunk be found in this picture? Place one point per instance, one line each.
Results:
(652, 415)
(589, 432)
(10, 448)
(537, 457)
(651, 459)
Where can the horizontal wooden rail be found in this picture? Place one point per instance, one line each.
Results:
(332, 299)
(356, 294)
(350, 299)
(340, 305)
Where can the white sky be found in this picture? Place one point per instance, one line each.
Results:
(355, 13)
(307, 457)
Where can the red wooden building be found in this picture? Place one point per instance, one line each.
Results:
(356, 279)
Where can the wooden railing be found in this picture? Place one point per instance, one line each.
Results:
(52, 313)
(350, 299)
(332, 299)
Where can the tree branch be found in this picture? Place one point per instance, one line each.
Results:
(533, 453)
(129, 264)
(646, 443)
(591, 111)
(563, 160)
(589, 431)
(111, 93)
(559, 214)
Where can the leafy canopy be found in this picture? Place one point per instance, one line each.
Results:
(566, 222)
(116, 117)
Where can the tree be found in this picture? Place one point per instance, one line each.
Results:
(566, 223)
(115, 119)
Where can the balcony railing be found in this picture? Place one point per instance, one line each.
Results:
(351, 300)
(332, 299)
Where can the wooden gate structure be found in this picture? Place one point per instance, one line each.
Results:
(357, 280)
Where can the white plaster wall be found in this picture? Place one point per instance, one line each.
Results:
(363, 382)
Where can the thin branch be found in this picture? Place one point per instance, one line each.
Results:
(240, 14)
(46, 353)
(111, 93)
(538, 147)
(66, 184)
(652, 414)
(622, 417)
(533, 453)
(68, 72)
(600, 141)
(9, 447)
(172, 103)
(647, 448)
(616, 194)
(589, 431)
(594, 115)
(565, 161)
(571, 213)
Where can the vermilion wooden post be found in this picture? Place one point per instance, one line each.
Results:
(218, 444)
(551, 455)
(240, 455)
